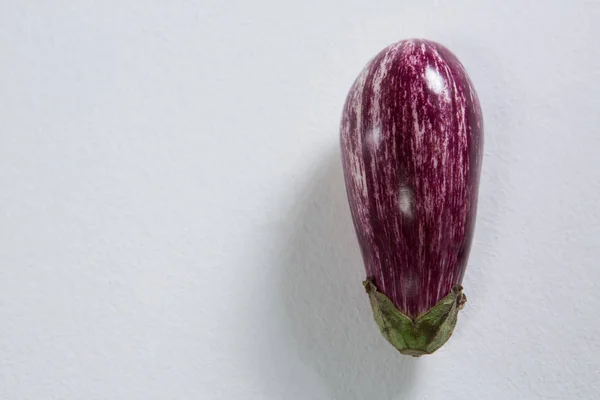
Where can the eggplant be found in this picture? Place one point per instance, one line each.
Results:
(411, 140)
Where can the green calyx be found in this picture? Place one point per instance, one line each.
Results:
(423, 335)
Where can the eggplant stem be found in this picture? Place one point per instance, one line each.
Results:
(422, 335)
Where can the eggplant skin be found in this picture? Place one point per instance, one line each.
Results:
(412, 142)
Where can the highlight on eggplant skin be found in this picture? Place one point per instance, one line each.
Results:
(412, 142)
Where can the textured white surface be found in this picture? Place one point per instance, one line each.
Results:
(173, 223)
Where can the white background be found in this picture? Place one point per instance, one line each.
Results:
(173, 223)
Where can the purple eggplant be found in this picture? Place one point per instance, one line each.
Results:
(412, 142)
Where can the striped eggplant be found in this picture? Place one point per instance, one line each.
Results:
(412, 143)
